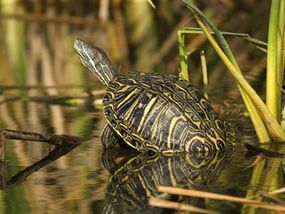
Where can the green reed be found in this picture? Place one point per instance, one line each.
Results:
(263, 118)
(275, 57)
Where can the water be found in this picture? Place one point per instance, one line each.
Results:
(91, 180)
(38, 64)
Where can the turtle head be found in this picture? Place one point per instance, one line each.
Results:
(96, 60)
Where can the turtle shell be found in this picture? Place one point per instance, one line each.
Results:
(164, 114)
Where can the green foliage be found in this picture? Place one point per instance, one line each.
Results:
(265, 124)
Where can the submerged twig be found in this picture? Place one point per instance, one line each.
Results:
(52, 156)
(63, 143)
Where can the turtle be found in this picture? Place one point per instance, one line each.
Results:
(135, 177)
(156, 112)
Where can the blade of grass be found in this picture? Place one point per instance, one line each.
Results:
(194, 30)
(261, 45)
(272, 125)
(204, 68)
(281, 63)
(204, 71)
(183, 56)
(273, 79)
(259, 125)
(282, 36)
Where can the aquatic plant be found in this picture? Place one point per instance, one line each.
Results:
(265, 118)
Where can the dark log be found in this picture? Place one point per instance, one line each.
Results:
(51, 139)
(63, 143)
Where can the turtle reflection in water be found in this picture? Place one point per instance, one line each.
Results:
(159, 113)
(136, 177)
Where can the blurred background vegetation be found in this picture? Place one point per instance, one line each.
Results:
(39, 35)
(37, 60)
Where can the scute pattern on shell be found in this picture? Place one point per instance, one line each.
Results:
(164, 114)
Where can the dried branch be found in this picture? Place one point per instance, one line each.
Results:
(202, 194)
(178, 206)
